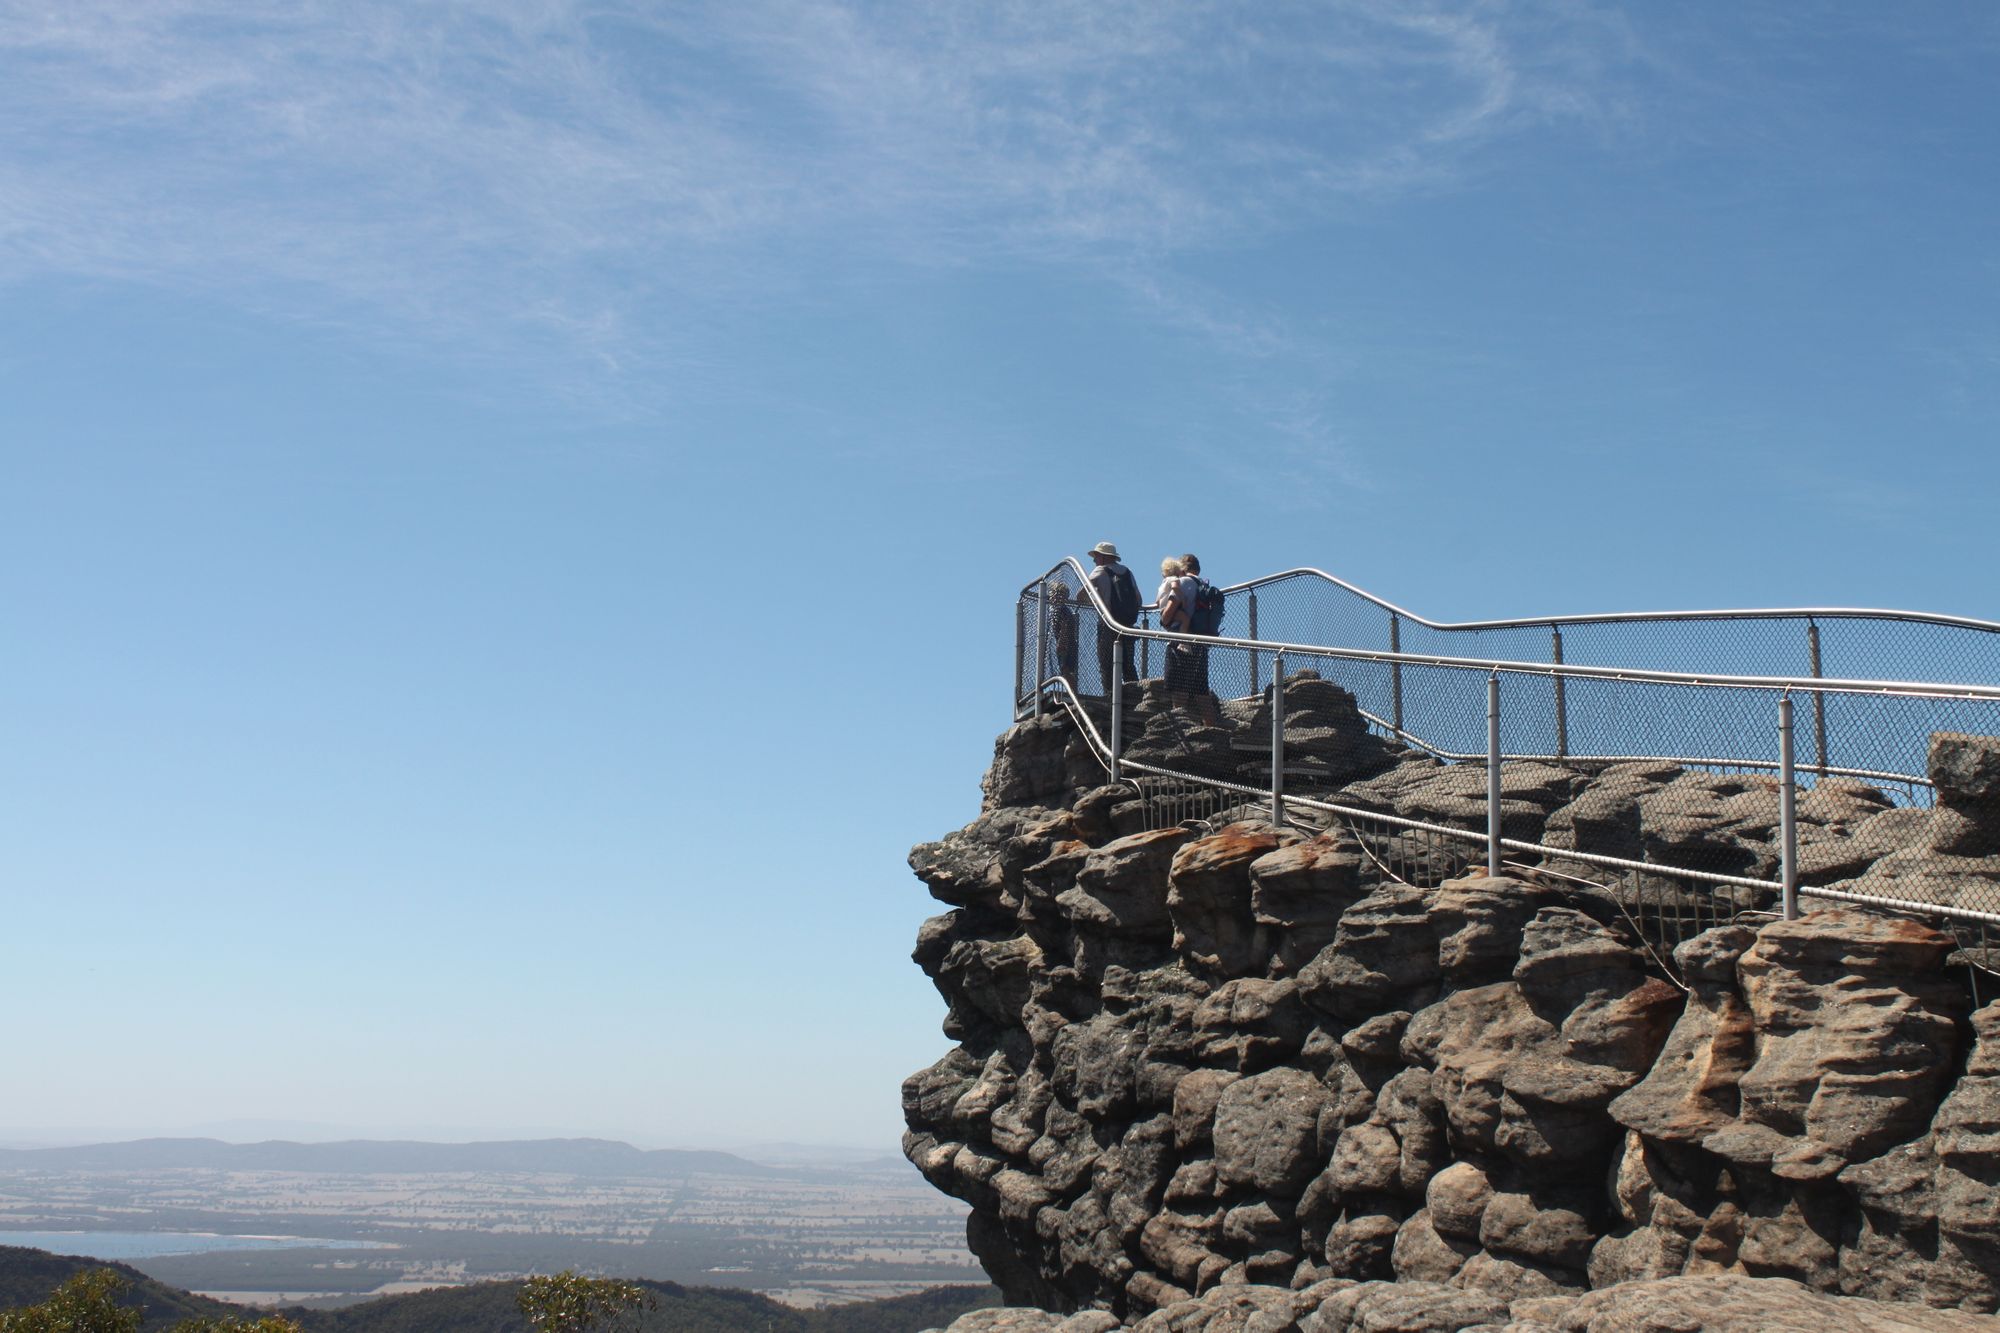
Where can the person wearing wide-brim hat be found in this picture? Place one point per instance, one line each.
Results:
(1119, 592)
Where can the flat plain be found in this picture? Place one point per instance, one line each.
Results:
(807, 1235)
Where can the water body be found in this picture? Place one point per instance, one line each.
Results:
(153, 1244)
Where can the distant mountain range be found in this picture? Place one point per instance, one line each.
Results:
(572, 1157)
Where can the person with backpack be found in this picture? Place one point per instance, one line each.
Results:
(1119, 592)
(1175, 604)
(1205, 616)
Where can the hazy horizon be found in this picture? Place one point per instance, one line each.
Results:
(251, 1132)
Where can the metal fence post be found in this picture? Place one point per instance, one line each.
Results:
(1145, 647)
(1493, 775)
(1041, 641)
(1788, 823)
(1396, 674)
(1277, 740)
(1117, 720)
(1562, 706)
(1254, 686)
(1819, 700)
(1020, 654)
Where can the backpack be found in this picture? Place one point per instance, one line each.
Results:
(1208, 600)
(1124, 600)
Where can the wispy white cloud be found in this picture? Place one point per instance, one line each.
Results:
(589, 182)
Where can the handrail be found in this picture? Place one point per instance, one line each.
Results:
(1628, 617)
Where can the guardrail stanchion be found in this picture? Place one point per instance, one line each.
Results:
(1788, 815)
(1145, 647)
(1493, 775)
(1396, 674)
(1117, 718)
(1278, 740)
(1562, 706)
(1819, 700)
(1254, 686)
(1041, 641)
(1020, 654)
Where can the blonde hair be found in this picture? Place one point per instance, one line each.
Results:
(1170, 566)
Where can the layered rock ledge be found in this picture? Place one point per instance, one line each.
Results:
(1200, 1065)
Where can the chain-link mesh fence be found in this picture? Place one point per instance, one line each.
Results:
(1312, 608)
(1665, 792)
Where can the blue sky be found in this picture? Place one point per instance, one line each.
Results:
(509, 512)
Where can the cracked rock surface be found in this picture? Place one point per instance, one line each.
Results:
(1225, 1077)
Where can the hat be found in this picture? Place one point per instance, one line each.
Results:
(1105, 549)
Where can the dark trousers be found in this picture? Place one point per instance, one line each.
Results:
(1105, 641)
(1187, 667)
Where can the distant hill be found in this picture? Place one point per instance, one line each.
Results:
(28, 1276)
(575, 1157)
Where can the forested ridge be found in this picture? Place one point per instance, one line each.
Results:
(28, 1276)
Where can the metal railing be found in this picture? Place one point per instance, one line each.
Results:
(1638, 769)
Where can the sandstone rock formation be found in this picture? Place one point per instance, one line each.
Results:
(1235, 1077)
(1724, 1303)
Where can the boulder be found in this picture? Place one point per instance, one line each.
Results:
(1690, 1092)
(1524, 1068)
(1300, 891)
(1478, 923)
(1325, 732)
(1424, 1254)
(1723, 823)
(1121, 888)
(1209, 899)
(962, 869)
(1603, 815)
(1227, 1309)
(1966, 1136)
(1029, 762)
(1404, 1307)
(1267, 1132)
(1965, 770)
(1855, 1035)
(1383, 957)
(1250, 1024)
(1456, 795)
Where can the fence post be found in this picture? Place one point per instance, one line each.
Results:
(1254, 686)
(1041, 641)
(1562, 706)
(1145, 648)
(1117, 719)
(1493, 775)
(1020, 654)
(1819, 700)
(1278, 740)
(1396, 674)
(1788, 824)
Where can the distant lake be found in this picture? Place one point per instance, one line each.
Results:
(153, 1244)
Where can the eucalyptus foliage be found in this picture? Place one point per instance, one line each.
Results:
(568, 1302)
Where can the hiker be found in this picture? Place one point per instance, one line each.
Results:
(1175, 603)
(1119, 592)
(1062, 634)
(1205, 615)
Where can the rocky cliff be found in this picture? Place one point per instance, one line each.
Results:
(1198, 1058)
